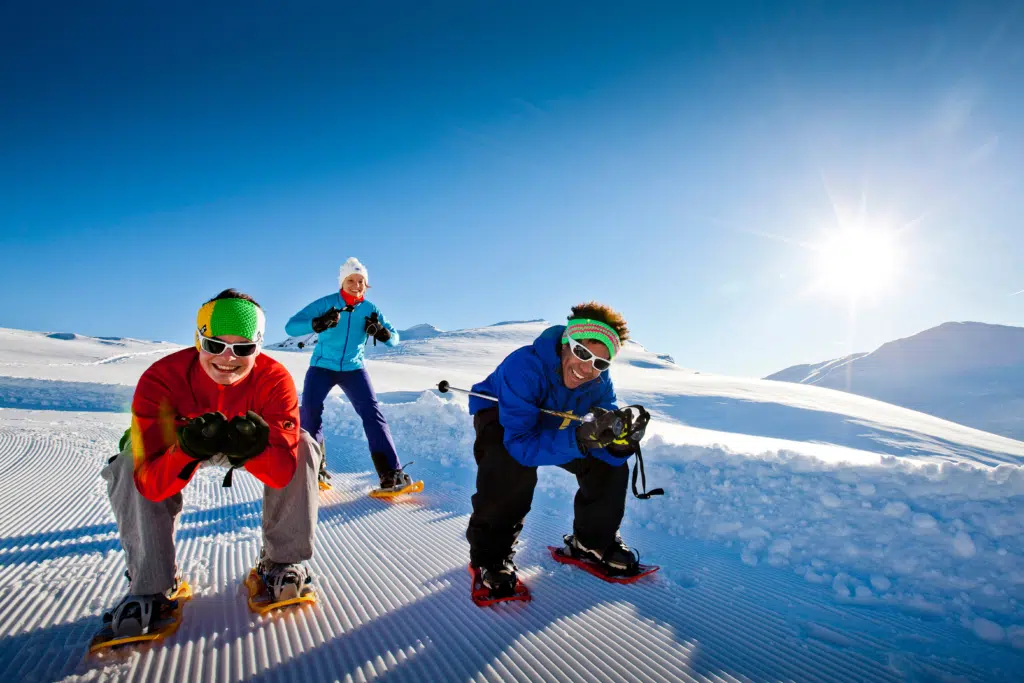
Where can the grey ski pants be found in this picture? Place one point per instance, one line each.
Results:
(147, 528)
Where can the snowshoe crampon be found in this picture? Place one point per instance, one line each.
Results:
(261, 601)
(163, 627)
(414, 487)
(481, 594)
(323, 478)
(601, 571)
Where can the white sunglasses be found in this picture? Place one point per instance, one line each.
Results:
(239, 349)
(583, 353)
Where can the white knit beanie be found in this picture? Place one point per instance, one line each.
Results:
(353, 267)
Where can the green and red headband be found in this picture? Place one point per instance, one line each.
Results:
(585, 328)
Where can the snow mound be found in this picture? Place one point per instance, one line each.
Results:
(421, 331)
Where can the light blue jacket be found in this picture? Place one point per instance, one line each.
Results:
(339, 347)
(530, 378)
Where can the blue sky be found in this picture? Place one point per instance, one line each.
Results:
(497, 161)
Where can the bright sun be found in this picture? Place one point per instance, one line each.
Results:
(857, 262)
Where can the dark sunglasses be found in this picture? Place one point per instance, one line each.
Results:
(583, 353)
(216, 347)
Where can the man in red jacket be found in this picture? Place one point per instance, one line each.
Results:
(221, 403)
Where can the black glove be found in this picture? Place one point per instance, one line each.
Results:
(328, 319)
(606, 426)
(634, 421)
(621, 450)
(374, 328)
(205, 436)
(247, 437)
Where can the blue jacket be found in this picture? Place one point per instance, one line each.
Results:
(339, 347)
(531, 378)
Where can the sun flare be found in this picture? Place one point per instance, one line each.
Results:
(858, 262)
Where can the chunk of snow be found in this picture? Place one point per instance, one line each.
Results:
(880, 583)
(989, 630)
(1016, 636)
(831, 500)
(896, 509)
(963, 545)
(924, 522)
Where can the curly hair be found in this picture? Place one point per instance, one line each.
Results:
(233, 293)
(606, 314)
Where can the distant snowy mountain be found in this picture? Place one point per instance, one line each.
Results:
(968, 372)
(421, 331)
(810, 373)
(306, 341)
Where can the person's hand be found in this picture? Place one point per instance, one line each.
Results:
(599, 432)
(328, 319)
(621, 450)
(634, 421)
(204, 437)
(247, 437)
(375, 329)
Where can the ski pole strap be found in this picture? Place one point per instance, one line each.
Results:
(639, 465)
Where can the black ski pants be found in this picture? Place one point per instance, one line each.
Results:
(504, 493)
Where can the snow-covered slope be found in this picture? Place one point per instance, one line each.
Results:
(474, 351)
(811, 373)
(71, 371)
(971, 373)
(806, 534)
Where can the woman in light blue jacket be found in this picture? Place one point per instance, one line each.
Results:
(344, 322)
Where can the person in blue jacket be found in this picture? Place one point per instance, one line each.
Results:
(344, 322)
(565, 370)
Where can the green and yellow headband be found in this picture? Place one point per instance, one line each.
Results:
(223, 317)
(585, 328)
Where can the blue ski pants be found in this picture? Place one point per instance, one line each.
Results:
(357, 388)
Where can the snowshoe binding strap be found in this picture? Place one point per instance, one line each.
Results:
(634, 566)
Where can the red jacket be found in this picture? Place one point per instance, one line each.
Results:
(175, 389)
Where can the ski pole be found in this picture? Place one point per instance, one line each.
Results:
(444, 388)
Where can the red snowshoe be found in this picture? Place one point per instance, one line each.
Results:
(572, 553)
(483, 597)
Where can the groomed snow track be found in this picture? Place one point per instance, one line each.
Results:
(393, 587)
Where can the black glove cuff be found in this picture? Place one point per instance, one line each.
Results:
(619, 450)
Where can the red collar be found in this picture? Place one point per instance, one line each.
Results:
(349, 299)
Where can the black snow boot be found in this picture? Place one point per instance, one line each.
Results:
(500, 578)
(617, 558)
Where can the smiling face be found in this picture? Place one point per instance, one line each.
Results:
(226, 368)
(354, 285)
(576, 372)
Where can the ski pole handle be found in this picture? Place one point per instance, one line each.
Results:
(444, 387)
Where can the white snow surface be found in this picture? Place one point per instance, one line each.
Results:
(806, 534)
